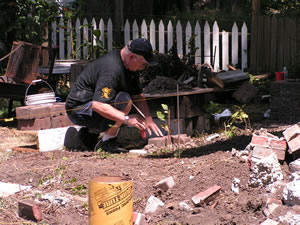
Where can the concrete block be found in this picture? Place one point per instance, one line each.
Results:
(206, 195)
(269, 222)
(183, 139)
(294, 144)
(294, 166)
(159, 142)
(139, 219)
(165, 184)
(291, 132)
(152, 204)
(32, 111)
(57, 109)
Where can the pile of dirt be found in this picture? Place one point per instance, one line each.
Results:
(161, 85)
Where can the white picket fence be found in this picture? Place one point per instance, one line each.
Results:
(162, 39)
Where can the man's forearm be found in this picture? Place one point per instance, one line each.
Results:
(108, 111)
(142, 104)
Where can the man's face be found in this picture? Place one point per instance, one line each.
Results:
(137, 62)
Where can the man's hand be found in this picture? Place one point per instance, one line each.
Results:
(136, 121)
(152, 126)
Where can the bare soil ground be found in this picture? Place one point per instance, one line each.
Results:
(197, 169)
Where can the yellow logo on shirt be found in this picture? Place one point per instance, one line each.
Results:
(105, 92)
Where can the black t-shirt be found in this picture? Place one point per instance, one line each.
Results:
(102, 80)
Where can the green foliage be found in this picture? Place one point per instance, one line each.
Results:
(281, 8)
(79, 190)
(162, 116)
(238, 117)
(27, 19)
(96, 49)
(212, 107)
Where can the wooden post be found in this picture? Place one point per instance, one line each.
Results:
(254, 33)
(119, 20)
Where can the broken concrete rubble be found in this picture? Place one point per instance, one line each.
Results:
(292, 135)
(265, 171)
(165, 184)
(291, 193)
(152, 204)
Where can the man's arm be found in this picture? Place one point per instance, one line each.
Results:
(141, 102)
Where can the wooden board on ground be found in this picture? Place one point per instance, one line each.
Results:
(47, 140)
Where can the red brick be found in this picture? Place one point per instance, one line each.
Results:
(60, 121)
(32, 112)
(57, 109)
(205, 195)
(280, 154)
(159, 142)
(29, 210)
(291, 132)
(274, 200)
(259, 140)
(34, 124)
(279, 144)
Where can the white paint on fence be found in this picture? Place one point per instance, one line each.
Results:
(78, 39)
(161, 38)
(85, 38)
(198, 43)
(179, 39)
(244, 49)
(152, 35)
(61, 39)
(215, 47)
(225, 48)
(135, 30)
(188, 36)
(126, 32)
(207, 43)
(109, 35)
(234, 45)
(170, 35)
(144, 30)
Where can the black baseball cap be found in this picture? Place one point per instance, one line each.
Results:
(143, 47)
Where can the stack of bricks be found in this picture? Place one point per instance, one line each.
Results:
(42, 116)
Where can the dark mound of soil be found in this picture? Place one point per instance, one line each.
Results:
(165, 85)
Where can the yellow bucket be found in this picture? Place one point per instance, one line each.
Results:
(110, 201)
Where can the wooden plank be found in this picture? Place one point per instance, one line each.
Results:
(244, 47)
(225, 50)
(280, 44)
(170, 35)
(144, 30)
(266, 43)
(298, 38)
(260, 46)
(61, 39)
(273, 44)
(287, 42)
(207, 51)
(109, 35)
(161, 37)
(85, 38)
(181, 93)
(188, 35)
(31, 148)
(216, 47)
(93, 37)
(253, 47)
(135, 30)
(126, 32)
(179, 39)
(198, 44)
(293, 35)
(234, 45)
(152, 35)
(102, 31)
(78, 39)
